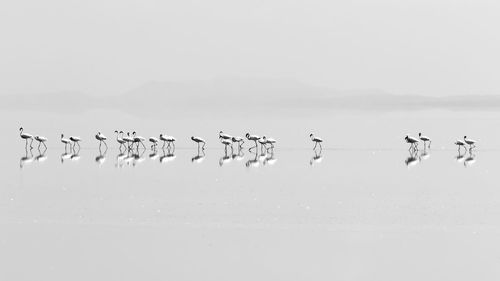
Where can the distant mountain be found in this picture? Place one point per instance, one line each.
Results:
(243, 96)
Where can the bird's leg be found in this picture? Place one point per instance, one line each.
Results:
(31, 143)
(203, 147)
(163, 147)
(45, 145)
(316, 143)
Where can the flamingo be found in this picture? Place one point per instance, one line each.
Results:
(41, 140)
(224, 136)
(227, 142)
(167, 157)
(129, 140)
(119, 138)
(424, 139)
(460, 144)
(102, 139)
(138, 139)
(199, 140)
(75, 140)
(253, 138)
(65, 141)
(238, 140)
(167, 139)
(26, 137)
(471, 143)
(412, 141)
(316, 141)
(154, 142)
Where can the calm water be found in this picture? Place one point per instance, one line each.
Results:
(365, 209)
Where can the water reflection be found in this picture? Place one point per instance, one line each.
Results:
(168, 156)
(26, 159)
(199, 157)
(154, 155)
(41, 157)
(66, 156)
(226, 158)
(240, 155)
(413, 159)
(270, 159)
(101, 158)
(469, 161)
(424, 155)
(317, 157)
(253, 162)
(461, 157)
(76, 153)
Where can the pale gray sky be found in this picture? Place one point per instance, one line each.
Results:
(432, 47)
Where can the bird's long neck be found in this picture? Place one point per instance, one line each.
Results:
(21, 131)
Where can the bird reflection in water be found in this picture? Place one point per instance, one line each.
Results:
(413, 159)
(41, 157)
(76, 153)
(253, 162)
(270, 159)
(168, 155)
(26, 159)
(424, 155)
(101, 158)
(317, 157)
(138, 157)
(199, 157)
(471, 159)
(238, 155)
(226, 158)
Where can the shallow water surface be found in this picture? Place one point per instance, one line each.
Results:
(364, 208)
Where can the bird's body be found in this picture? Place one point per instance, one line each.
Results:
(224, 136)
(253, 138)
(263, 142)
(316, 141)
(65, 141)
(138, 139)
(167, 140)
(471, 143)
(154, 142)
(198, 140)
(119, 138)
(424, 139)
(41, 140)
(26, 137)
(412, 141)
(75, 140)
(238, 140)
(226, 143)
(460, 143)
(102, 139)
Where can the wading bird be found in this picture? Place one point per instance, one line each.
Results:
(167, 140)
(425, 139)
(26, 137)
(412, 141)
(102, 139)
(41, 140)
(238, 140)
(65, 141)
(227, 142)
(253, 138)
(460, 144)
(129, 140)
(75, 140)
(316, 141)
(471, 143)
(119, 138)
(138, 139)
(224, 136)
(154, 142)
(199, 140)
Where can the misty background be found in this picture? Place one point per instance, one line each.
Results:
(109, 48)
